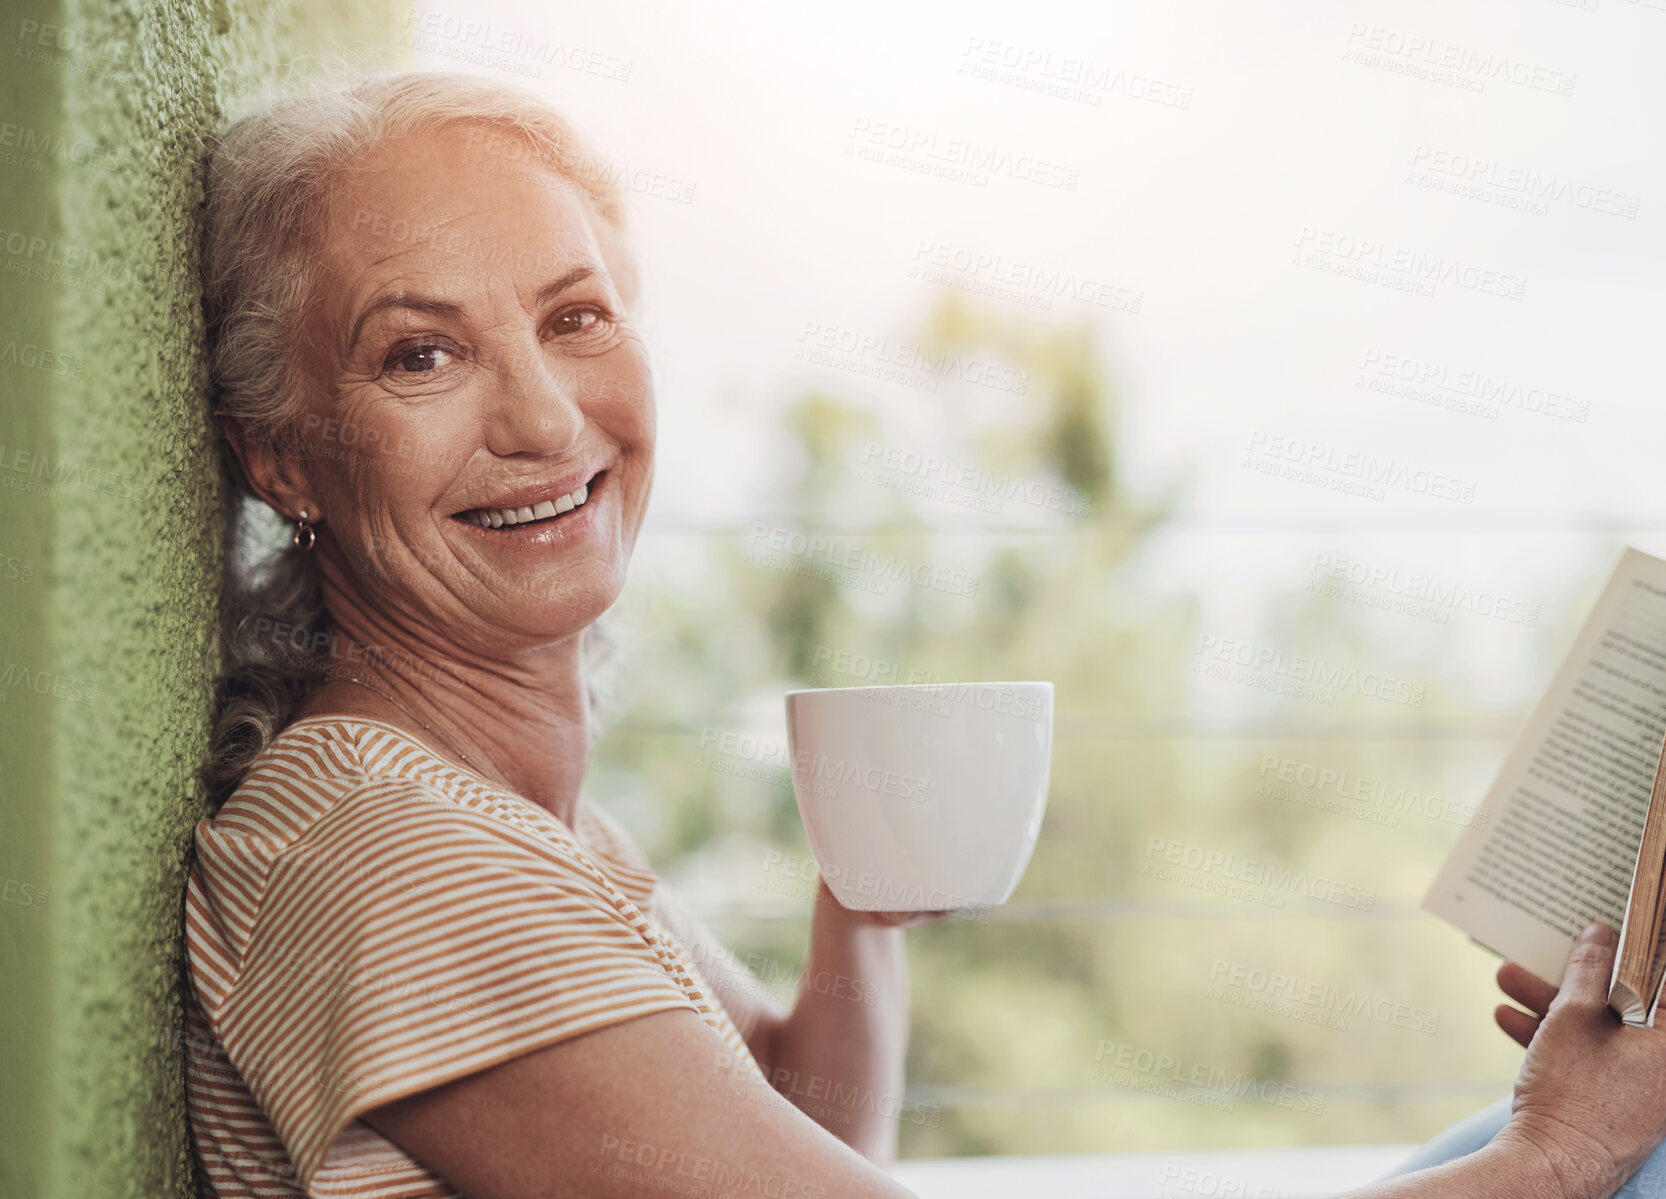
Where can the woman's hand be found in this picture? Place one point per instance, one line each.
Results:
(1591, 1097)
(1590, 1103)
(825, 896)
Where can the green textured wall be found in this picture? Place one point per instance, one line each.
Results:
(109, 554)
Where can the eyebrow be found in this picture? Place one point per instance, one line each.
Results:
(452, 311)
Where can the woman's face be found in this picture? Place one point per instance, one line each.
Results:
(471, 353)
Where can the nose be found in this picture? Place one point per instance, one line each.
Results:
(533, 408)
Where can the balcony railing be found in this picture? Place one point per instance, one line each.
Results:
(1222, 1174)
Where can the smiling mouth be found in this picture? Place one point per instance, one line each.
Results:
(543, 512)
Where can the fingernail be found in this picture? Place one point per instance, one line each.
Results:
(1597, 932)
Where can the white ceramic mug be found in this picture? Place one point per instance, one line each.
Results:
(923, 797)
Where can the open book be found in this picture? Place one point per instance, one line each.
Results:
(1575, 824)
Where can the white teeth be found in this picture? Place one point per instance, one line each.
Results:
(496, 518)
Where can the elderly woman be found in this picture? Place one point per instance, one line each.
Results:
(421, 963)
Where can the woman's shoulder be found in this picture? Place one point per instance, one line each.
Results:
(359, 785)
(338, 814)
(304, 768)
(306, 771)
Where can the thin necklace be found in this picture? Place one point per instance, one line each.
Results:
(426, 726)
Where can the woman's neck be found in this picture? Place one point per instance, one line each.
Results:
(524, 725)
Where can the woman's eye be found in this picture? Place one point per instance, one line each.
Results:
(575, 320)
(418, 359)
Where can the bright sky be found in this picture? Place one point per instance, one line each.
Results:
(1281, 146)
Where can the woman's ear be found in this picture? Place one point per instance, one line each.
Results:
(274, 477)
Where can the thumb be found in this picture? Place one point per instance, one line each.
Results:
(1590, 967)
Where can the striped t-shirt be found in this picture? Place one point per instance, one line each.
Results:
(365, 920)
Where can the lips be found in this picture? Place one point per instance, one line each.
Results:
(544, 509)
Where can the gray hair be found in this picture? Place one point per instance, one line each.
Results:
(266, 191)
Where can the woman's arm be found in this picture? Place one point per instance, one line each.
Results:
(837, 1053)
(650, 1106)
(660, 1101)
(751, 1004)
(838, 1056)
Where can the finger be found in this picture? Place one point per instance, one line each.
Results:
(1525, 987)
(894, 919)
(908, 919)
(1519, 1025)
(1590, 967)
(932, 917)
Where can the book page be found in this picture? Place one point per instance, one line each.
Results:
(1558, 842)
